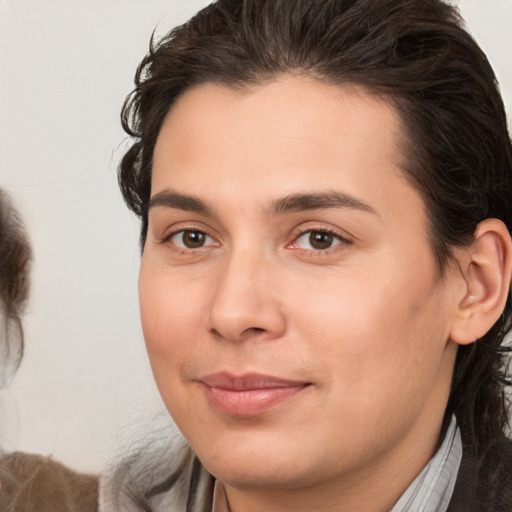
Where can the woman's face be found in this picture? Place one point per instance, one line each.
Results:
(295, 320)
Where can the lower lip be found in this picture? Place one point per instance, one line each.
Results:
(250, 402)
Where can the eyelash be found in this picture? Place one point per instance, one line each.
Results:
(182, 232)
(335, 237)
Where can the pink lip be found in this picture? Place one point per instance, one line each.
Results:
(249, 394)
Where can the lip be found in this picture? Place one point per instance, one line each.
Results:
(249, 394)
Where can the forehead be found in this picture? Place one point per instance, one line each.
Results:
(272, 139)
(282, 111)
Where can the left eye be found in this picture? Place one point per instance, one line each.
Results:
(318, 240)
(191, 239)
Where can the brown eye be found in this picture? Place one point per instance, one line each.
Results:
(318, 240)
(191, 239)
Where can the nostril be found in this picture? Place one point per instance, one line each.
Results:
(246, 333)
(253, 331)
(250, 332)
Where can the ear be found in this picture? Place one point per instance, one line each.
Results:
(486, 267)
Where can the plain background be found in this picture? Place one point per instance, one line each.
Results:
(65, 67)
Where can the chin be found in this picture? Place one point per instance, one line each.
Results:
(258, 474)
(253, 463)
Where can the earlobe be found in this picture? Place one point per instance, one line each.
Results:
(486, 267)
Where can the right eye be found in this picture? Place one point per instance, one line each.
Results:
(191, 239)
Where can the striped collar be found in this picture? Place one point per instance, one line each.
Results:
(432, 489)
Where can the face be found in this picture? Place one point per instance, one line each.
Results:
(294, 316)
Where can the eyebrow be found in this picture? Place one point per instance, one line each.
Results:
(318, 201)
(288, 204)
(179, 201)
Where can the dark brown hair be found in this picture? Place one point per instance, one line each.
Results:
(414, 53)
(15, 256)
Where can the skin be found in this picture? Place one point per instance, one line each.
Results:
(365, 321)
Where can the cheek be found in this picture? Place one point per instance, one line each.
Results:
(376, 336)
(171, 314)
(379, 359)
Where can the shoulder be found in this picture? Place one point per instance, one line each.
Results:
(28, 481)
(485, 483)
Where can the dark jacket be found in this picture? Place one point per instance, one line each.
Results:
(485, 484)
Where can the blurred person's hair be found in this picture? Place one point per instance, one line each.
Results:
(15, 259)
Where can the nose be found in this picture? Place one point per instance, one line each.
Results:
(246, 304)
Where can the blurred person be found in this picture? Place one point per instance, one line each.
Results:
(15, 257)
(28, 482)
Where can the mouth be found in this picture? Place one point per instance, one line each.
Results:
(250, 394)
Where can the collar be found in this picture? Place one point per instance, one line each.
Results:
(220, 502)
(433, 487)
(430, 491)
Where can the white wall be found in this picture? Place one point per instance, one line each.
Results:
(65, 67)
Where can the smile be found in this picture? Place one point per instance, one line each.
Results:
(250, 394)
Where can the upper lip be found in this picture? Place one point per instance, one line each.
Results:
(226, 380)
